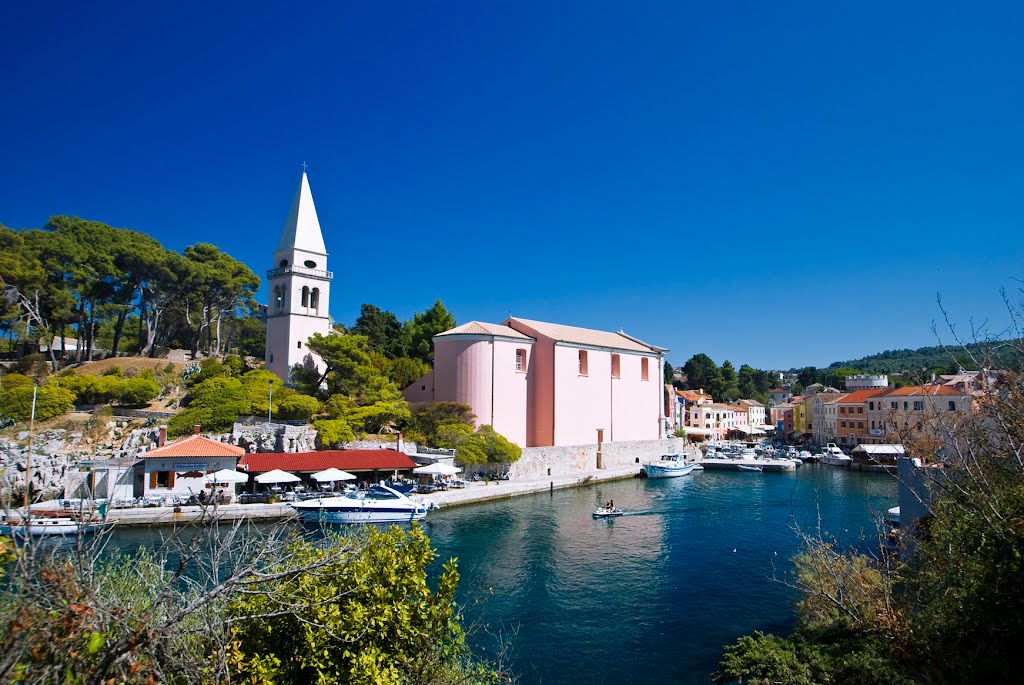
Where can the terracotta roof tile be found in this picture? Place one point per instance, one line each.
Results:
(910, 390)
(195, 446)
(311, 462)
(859, 396)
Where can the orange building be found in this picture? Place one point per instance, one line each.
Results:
(852, 427)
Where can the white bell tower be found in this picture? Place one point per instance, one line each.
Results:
(300, 287)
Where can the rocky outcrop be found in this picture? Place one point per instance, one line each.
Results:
(273, 437)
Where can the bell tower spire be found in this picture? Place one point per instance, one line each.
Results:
(299, 288)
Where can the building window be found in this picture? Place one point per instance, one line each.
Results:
(860, 410)
(520, 360)
(314, 299)
(616, 366)
(871, 406)
(918, 405)
(952, 405)
(906, 405)
(860, 425)
(299, 344)
(842, 424)
(305, 296)
(583, 362)
(644, 373)
(895, 405)
(842, 410)
(161, 479)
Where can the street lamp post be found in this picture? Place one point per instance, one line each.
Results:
(270, 400)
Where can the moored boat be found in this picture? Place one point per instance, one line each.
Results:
(380, 504)
(833, 456)
(669, 466)
(744, 467)
(46, 526)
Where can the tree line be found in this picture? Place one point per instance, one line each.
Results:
(725, 383)
(122, 290)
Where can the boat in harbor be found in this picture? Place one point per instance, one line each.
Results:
(833, 456)
(669, 466)
(379, 504)
(607, 512)
(744, 467)
(47, 526)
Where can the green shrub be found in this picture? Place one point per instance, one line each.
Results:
(51, 401)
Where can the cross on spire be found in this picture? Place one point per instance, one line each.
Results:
(304, 167)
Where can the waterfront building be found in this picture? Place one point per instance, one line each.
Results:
(684, 399)
(370, 465)
(755, 412)
(299, 286)
(853, 422)
(180, 467)
(877, 413)
(803, 426)
(823, 417)
(715, 420)
(783, 414)
(543, 384)
(927, 410)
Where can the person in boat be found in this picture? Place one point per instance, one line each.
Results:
(611, 505)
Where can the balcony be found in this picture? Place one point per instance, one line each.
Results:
(302, 271)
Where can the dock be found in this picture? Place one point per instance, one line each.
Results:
(766, 465)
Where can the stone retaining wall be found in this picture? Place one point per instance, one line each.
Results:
(536, 461)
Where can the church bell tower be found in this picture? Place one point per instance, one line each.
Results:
(299, 289)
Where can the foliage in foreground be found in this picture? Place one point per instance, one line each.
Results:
(230, 607)
(953, 611)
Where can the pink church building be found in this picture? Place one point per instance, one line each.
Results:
(543, 384)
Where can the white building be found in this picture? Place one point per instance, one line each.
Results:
(824, 414)
(299, 289)
(718, 419)
(864, 381)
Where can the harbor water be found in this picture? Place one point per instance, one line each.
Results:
(650, 597)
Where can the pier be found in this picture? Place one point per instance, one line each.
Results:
(766, 465)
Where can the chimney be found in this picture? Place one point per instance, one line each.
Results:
(401, 443)
(162, 437)
(195, 429)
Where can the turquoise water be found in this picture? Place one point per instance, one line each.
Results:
(650, 597)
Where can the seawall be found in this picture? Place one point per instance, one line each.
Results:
(540, 462)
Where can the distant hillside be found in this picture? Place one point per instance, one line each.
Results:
(1004, 355)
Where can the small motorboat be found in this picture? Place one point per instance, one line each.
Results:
(47, 526)
(607, 512)
(744, 467)
(669, 466)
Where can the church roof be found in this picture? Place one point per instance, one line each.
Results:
(481, 328)
(302, 227)
(585, 336)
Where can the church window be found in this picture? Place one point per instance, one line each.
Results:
(305, 296)
(644, 373)
(299, 344)
(616, 366)
(520, 360)
(310, 264)
(583, 362)
(314, 300)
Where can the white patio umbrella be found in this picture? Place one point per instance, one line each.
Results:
(332, 474)
(226, 477)
(277, 476)
(437, 469)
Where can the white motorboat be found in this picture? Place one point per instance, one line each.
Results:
(748, 453)
(379, 504)
(607, 512)
(744, 467)
(45, 526)
(833, 456)
(669, 466)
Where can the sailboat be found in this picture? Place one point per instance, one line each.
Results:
(28, 525)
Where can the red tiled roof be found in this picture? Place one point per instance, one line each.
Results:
(692, 395)
(858, 396)
(311, 462)
(195, 446)
(909, 390)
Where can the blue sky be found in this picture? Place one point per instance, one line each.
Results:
(779, 184)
